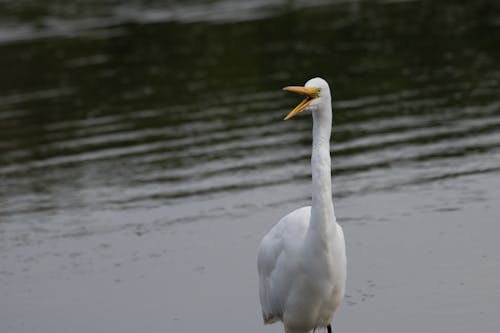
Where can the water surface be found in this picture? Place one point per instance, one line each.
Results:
(143, 155)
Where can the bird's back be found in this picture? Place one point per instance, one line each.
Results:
(277, 264)
(299, 285)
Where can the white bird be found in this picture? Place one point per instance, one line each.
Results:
(301, 260)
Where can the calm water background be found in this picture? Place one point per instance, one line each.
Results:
(143, 155)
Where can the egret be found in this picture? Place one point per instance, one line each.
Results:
(302, 260)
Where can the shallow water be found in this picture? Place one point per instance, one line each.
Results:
(143, 156)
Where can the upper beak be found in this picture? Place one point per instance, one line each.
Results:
(310, 93)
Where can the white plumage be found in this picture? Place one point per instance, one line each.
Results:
(301, 261)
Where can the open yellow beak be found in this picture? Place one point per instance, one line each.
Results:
(310, 92)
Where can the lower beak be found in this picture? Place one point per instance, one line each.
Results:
(310, 93)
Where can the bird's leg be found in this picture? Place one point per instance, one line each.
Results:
(329, 328)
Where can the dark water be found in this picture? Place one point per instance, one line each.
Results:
(143, 155)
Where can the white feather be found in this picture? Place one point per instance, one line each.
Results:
(301, 261)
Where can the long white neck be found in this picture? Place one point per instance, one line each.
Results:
(322, 212)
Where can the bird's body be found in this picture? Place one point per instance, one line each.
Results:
(301, 261)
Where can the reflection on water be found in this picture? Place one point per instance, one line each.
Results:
(163, 119)
(145, 107)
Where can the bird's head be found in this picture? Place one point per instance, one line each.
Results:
(317, 92)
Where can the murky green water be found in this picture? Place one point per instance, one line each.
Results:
(143, 142)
